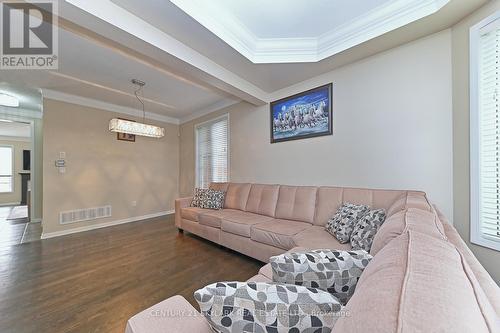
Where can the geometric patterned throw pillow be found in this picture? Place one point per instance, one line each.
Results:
(336, 272)
(342, 223)
(366, 228)
(197, 196)
(212, 199)
(265, 307)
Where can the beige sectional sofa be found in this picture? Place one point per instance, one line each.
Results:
(265, 220)
(423, 278)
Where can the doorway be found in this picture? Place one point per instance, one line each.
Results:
(17, 186)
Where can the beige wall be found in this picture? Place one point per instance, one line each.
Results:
(392, 129)
(460, 46)
(102, 170)
(19, 146)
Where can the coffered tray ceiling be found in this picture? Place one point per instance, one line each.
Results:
(287, 31)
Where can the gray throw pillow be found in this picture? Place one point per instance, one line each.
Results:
(198, 195)
(366, 228)
(265, 307)
(336, 272)
(212, 199)
(342, 223)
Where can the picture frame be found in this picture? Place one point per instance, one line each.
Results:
(304, 115)
(125, 136)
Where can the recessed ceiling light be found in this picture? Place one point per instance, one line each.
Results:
(9, 100)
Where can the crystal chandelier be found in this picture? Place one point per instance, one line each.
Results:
(136, 128)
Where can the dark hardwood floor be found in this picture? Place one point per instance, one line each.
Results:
(13, 232)
(95, 281)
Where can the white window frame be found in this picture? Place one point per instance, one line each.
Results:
(476, 236)
(224, 116)
(12, 150)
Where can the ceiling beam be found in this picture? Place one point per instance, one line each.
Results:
(137, 38)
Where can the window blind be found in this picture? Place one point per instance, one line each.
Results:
(212, 152)
(5, 169)
(489, 133)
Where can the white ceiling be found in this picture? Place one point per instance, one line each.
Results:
(91, 70)
(272, 77)
(293, 18)
(291, 31)
(14, 129)
(30, 99)
(188, 69)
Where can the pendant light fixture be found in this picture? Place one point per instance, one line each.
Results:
(137, 128)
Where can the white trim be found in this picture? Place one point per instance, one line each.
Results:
(47, 235)
(380, 20)
(13, 168)
(19, 114)
(476, 236)
(15, 138)
(26, 116)
(10, 204)
(196, 126)
(212, 108)
(93, 103)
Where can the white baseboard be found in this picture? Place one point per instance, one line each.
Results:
(47, 235)
(10, 204)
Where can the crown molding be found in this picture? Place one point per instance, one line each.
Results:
(93, 103)
(374, 23)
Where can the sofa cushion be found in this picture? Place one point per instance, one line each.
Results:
(174, 315)
(316, 237)
(487, 283)
(296, 203)
(260, 278)
(192, 213)
(366, 229)
(213, 218)
(237, 196)
(262, 199)
(266, 271)
(219, 186)
(415, 219)
(418, 283)
(239, 223)
(328, 201)
(266, 307)
(410, 199)
(336, 272)
(278, 233)
(331, 198)
(342, 223)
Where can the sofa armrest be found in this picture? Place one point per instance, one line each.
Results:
(412, 199)
(181, 203)
(173, 315)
